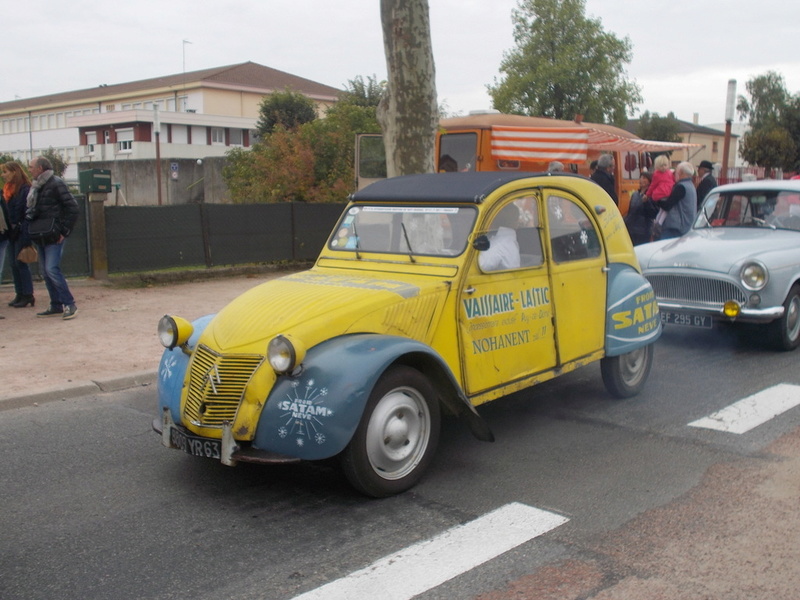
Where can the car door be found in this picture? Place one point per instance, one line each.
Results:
(505, 313)
(579, 274)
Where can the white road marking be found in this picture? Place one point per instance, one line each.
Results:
(427, 564)
(752, 411)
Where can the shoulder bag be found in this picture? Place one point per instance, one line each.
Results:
(28, 255)
(43, 229)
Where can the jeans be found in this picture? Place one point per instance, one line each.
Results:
(23, 282)
(50, 268)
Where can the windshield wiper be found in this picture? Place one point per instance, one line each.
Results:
(762, 222)
(405, 235)
(358, 242)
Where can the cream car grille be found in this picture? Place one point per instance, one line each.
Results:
(216, 385)
(695, 290)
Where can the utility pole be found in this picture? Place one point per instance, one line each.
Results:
(157, 132)
(729, 104)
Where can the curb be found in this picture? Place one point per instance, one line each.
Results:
(79, 389)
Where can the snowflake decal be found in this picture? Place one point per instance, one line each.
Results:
(283, 432)
(301, 442)
(319, 438)
(584, 237)
(169, 364)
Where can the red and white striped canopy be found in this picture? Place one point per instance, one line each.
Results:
(566, 144)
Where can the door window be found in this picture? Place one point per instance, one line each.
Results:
(572, 234)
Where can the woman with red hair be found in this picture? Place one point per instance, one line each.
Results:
(15, 194)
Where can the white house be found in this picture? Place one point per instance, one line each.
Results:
(197, 114)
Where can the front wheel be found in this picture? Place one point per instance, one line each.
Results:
(625, 375)
(786, 330)
(395, 441)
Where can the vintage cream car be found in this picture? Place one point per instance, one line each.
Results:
(740, 262)
(435, 293)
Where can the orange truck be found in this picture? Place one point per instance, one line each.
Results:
(498, 142)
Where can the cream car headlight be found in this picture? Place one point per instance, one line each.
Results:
(284, 353)
(174, 331)
(754, 276)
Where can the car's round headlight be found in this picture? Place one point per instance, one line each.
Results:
(754, 276)
(284, 353)
(174, 331)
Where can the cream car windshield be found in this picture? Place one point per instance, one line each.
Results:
(415, 230)
(757, 208)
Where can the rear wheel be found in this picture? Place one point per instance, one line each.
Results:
(786, 330)
(625, 375)
(397, 436)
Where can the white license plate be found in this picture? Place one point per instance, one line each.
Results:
(686, 319)
(194, 445)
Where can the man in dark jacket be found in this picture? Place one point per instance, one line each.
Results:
(681, 204)
(707, 181)
(604, 176)
(53, 210)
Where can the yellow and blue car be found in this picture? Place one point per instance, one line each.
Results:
(434, 294)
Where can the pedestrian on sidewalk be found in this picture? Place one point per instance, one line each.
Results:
(53, 211)
(15, 194)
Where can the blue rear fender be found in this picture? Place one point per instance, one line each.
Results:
(314, 414)
(632, 316)
(172, 372)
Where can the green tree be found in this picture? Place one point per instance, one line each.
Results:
(767, 102)
(769, 147)
(310, 163)
(363, 93)
(655, 127)
(287, 109)
(59, 163)
(565, 64)
(791, 122)
(774, 118)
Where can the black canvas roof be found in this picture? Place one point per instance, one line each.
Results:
(440, 187)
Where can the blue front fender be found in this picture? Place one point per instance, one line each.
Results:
(632, 317)
(314, 415)
(172, 372)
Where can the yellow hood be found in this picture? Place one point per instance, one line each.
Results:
(316, 306)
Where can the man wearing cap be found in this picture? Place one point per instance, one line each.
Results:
(707, 181)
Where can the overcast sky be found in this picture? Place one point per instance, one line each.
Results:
(684, 53)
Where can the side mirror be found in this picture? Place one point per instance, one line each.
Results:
(481, 243)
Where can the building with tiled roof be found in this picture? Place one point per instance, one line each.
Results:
(199, 114)
(711, 143)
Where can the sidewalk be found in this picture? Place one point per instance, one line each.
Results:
(112, 343)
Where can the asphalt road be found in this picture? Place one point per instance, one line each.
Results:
(94, 507)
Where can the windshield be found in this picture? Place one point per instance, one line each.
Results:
(751, 208)
(413, 230)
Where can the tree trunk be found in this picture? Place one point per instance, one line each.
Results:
(408, 113)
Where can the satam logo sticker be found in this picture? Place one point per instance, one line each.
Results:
(304, 414)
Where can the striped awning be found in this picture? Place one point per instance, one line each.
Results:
(602, 140)
(567, 144)
(540, 143)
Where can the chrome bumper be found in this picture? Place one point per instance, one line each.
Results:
(746, 315)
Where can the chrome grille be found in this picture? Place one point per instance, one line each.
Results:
(216, 385)
(699, 290)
